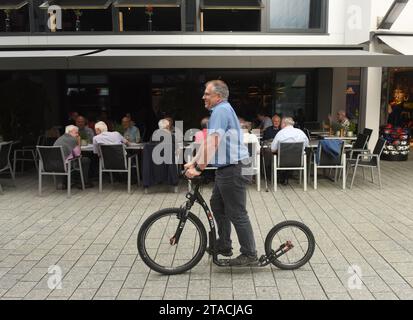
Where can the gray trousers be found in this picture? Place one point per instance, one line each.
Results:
(228, 204)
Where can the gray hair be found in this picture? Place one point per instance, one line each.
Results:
(204, 123)
(70, 128)
(163, 124)
(220, 88)
(289, 121)
(101, 126)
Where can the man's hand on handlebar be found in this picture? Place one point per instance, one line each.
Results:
(189, 165)
(192, 173)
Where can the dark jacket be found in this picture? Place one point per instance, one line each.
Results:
(270, 133)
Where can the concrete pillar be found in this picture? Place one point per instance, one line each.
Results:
(371, 102)
(371, 99)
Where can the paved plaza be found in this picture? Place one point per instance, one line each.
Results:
(92, 239)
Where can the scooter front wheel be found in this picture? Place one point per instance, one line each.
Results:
(158, 249)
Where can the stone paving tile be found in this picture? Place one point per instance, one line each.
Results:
(19, 290)
(118, 274)
(37, 294)
(109, 289)
(93, 243)
(385, 296)
(154, 289)
(175, 293)
(129, 294)
(83, 294)
(92, 281)
(338, 296)
(222, 293)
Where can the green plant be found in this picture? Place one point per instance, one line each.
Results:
(118, 127)
(83, 136)
(352, 127)
(78, 13)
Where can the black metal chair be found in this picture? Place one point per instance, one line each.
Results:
(27, 154)
(52, 162)
(369, 160)
(368, 132)
(290, 156)
(360, 145)
(5, 149)
(323, 159)
(113, 158)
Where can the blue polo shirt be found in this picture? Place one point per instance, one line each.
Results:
(225, 123)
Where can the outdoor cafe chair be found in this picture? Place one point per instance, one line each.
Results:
(368, 160)
(323, 159)
(113, 158)
(368, 132)
(5, 149)
(27, 154)
(290, 156)
(52, 163)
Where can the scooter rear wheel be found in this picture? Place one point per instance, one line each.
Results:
(292, 242)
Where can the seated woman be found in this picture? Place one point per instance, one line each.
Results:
(201, 135)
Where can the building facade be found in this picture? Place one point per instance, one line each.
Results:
(303, 58)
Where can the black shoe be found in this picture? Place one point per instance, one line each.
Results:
(223, 252)
(244, 260)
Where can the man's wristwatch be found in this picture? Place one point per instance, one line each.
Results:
(197, 168)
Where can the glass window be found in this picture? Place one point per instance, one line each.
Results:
(297, 14)
(231, 15)
(149, 15)
(294, 96)
(14, 16)
(83, 15)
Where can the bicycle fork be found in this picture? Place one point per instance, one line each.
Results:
(283, 249)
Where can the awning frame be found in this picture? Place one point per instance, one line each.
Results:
(131, 4)
(105, 6)
(204, 6)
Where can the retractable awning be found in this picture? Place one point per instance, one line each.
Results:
(12, 4)
(144, 3)
(231, 4)
(402, 44)
(78, 4)
(38, 59)
(198, 58)
(208, 58)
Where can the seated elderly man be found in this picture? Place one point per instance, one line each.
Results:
(163, 131)
(70, 143)
(342, 122)
(288, 134)
(84, 131)
(103, 136)
(130, 133)
(272, 131)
